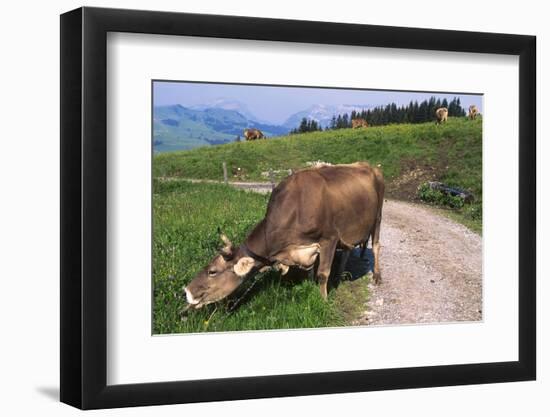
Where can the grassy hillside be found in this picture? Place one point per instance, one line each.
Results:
(409, 155)
(186, 217)
(395, 147)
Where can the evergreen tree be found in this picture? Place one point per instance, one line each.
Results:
(307, 125)
(345, 121)
(303, 125)
(461, 112)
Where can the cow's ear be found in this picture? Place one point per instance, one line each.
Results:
(243, 266)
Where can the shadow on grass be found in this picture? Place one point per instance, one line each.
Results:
(355, 268)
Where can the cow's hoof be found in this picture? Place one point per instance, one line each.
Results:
(377, 278)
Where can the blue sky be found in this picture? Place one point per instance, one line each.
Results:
(275, 104)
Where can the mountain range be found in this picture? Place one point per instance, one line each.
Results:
(176, 127)
(323, 113)
(229, 104)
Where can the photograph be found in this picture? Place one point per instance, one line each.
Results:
(279, 207)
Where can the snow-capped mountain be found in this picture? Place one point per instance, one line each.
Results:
(322, 113)
(228, 104)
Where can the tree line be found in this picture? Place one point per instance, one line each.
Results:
(414, 112)
(307, 125)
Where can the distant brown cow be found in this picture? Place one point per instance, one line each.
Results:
(253, 134)
(359, 122)
(473, 112)
(441, 115)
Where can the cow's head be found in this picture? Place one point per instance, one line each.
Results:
(225, 272)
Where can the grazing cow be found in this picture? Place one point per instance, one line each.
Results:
(441, 115)
(253, 134)
(473, 112)
(359, 122)
(310, 214)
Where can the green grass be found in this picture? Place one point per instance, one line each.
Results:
(463, 216)
(451, 152)
(186, 218)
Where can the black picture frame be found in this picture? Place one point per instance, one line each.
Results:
(84, 207)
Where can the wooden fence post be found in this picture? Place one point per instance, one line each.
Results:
(224, 165)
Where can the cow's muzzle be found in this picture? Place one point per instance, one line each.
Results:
(189, 296)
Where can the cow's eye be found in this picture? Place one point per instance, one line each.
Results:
(212, 272)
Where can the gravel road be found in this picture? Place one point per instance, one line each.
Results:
(431, 269)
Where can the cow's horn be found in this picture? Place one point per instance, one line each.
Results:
(228, 248)
(224, 238)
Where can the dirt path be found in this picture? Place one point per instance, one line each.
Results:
(431, 266)
(431, 269)
(257, 187)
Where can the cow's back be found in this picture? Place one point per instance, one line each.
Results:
(355, 193)
(321, 203)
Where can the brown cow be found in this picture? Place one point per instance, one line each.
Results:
(441, 115)
(253, 134)
(473, 112)
(310, 214)
(359, 122)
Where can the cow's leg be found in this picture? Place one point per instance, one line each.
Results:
(326, 256)
(376, 250)
(364, 246)
(363, 250)
(343, 261)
